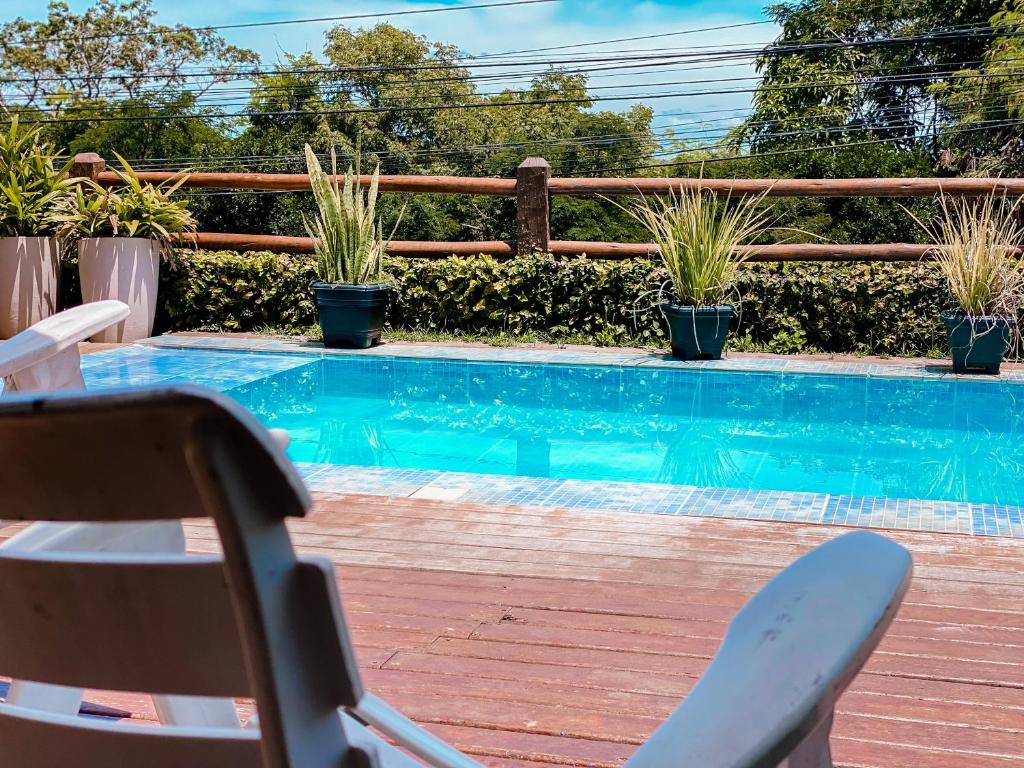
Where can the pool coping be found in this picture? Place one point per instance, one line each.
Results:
(878, 512)
(567, 356)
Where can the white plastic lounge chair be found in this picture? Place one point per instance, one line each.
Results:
(45, 357)
(262, 622)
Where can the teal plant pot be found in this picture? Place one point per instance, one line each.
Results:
(697, 333)
(978, 343)
(351, 316)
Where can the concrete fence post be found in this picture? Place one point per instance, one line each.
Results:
(533, 208)
(87, 165)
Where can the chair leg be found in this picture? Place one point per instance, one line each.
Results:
(57, 699)
(196, 711)
(814, 751)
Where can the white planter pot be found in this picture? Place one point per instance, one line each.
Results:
(29, 269)
(126, 269)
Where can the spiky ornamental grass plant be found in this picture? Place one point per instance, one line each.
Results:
(33, 184)
(700, 239)
(978, 248)
(347, 237)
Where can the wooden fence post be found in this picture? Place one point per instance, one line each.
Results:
(532, 206)
(87, 165)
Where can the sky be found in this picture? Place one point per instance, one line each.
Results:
(497, 30)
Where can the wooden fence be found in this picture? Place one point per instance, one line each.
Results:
(533, 188)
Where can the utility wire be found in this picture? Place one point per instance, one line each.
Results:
(796, 150)
(932, 36)
(586, 100)
(600, 141)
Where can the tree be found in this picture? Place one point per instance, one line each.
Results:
(988, 101)
(391, 92)
(845, 69)
(111, 52)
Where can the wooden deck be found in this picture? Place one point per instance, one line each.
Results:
(534, 638)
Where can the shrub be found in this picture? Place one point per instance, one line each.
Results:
(223, 290)
(841, 308)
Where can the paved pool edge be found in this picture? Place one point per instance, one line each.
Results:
(624, 358)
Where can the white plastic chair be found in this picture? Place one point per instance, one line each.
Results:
(45, 357)
(262, 622)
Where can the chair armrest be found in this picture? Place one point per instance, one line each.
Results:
(406, 734)
(53, 335)
(786, 658)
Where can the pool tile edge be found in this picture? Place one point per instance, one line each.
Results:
(877, 513)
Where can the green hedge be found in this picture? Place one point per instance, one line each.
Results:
(860, 308)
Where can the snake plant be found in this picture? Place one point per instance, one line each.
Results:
(347, 237)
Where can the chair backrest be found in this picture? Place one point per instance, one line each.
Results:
(258, 623)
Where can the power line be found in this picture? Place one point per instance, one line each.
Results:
(597, 141)
(796, 150)
(719, 54)
(629, 39)
(927, 70)
(588, 100)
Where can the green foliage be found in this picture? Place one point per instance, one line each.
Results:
(170, 125)
(133, 209)
(989, 96)
(223, 290)
(370, 89)
(862, 96)
(849, 94)
(858, 308)
(887, 309)
(32, 183)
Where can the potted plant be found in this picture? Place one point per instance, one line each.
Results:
(700, 238)
(349, 245)
(978, 248)
(32, 183)
(123, 232)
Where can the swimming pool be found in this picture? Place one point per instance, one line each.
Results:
(893, 448)
(903, 438)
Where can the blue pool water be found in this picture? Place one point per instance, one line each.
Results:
(902, 438)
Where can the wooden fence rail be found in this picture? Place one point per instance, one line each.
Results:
(534, 186)
(595, 250)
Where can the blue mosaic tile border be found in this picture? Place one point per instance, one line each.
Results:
(653, 498)
(622, 358)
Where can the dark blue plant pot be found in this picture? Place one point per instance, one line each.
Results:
(977, 343)
(697, 333)
(351, 316)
